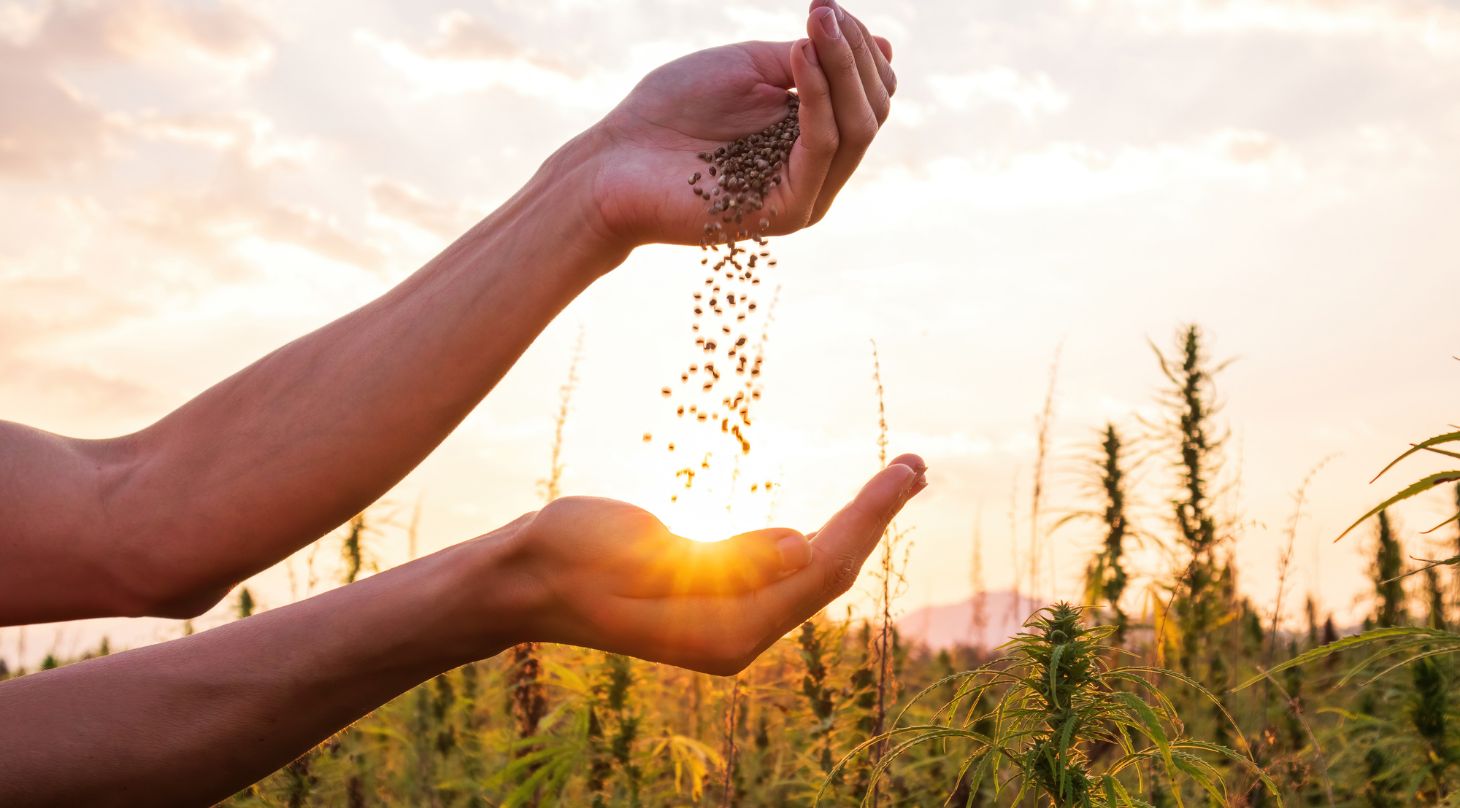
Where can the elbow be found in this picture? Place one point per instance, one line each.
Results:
(157, 567)
(166, 588)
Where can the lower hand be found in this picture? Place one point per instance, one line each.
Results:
(607, 575)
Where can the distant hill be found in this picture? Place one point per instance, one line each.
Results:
(953, 624)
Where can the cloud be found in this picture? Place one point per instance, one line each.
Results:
(412, 206)
(462, 36)
(1074, 174)
(71, 385)
(468, 54)
(47, 126)
(223, 34)
(210, 227)
(248, 135)
(1032, 96)
(1432, 24)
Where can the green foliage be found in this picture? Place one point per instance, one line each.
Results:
(1388, 575)
(1066, 714)
(1052, 719)
(1106, 577)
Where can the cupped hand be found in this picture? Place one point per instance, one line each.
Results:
(610, 576)
(649, 144)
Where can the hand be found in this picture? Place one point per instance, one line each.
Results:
(608, 575)
(648, 145)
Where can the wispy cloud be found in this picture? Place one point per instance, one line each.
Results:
(1032, 96)
(223, 35)
(1433, 24)
(47, 125)
(409, 204)
(468, 54)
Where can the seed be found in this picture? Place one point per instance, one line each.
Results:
(745, 173)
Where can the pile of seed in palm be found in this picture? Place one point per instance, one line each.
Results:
(719, 384)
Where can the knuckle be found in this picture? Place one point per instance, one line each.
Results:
(865, 127)
(841, 574)
(823, 144)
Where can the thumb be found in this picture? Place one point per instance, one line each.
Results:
(842, 545)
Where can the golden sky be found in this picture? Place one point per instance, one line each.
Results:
(186, 185)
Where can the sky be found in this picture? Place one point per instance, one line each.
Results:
(185, 186)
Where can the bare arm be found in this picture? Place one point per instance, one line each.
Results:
(191, 721)
(296, 443)
(166, 520)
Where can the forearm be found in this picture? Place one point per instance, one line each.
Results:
(193, 720)
(306, 437)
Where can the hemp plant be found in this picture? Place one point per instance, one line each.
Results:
(1054, 721)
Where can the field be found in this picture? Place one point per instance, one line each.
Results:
(1187, 693)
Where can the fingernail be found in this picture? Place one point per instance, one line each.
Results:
(809, 51)
(910, 480)
(795, 553)
(841, 13)
(828, 22)
(918, 485)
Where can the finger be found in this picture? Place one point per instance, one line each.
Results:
(878, 97)
(884, 47)
(856, 122)
(814, 150)
(879, 49)
(840, 548)
(881, 52)
(737, 565)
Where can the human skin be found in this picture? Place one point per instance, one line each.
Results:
(165, 521)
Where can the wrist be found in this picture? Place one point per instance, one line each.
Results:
(490, 602)
(564, 189)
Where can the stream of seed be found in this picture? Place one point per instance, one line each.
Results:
(717, 388)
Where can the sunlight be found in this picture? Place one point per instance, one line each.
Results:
(703, 519)
(716, 509)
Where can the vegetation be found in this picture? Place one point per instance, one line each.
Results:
(1167, 688)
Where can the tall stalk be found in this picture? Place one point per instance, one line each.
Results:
(1191, 396)
(1106, 577)
(888, 573)
(1037, 540)
(1387, 574)
(528, 696)
(246, 604)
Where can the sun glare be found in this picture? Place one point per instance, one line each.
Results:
(723, 498)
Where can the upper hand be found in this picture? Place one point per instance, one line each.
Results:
(608, 575)
(648, 145)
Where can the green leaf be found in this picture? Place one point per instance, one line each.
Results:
(1347, 643)
(1414, 489)
(1449, 437)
